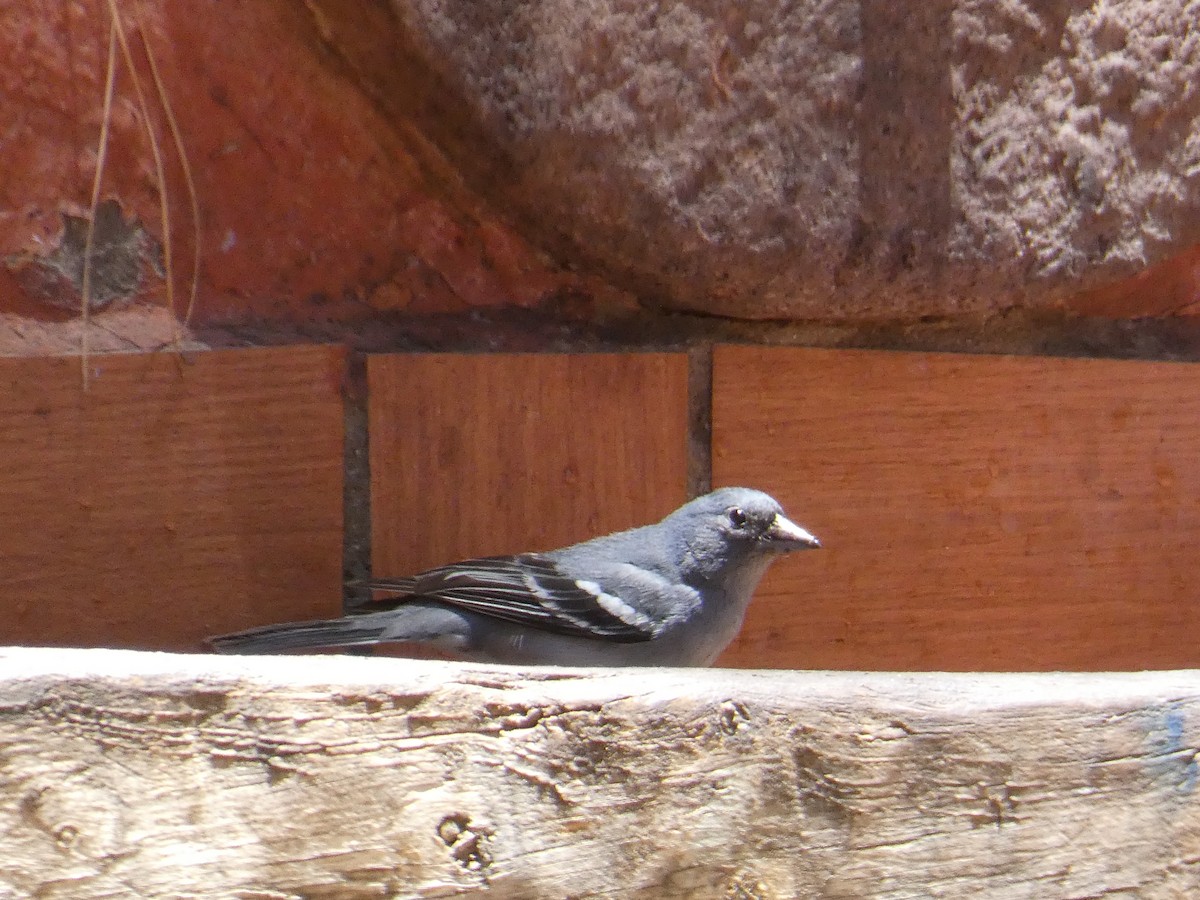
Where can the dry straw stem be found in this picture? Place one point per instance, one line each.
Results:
(177, 136)
(164, 200)
(117, 33)
(101, 153)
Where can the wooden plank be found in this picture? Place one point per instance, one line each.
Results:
(501, 453)
(178, 497)
(153, 775)
(979, 512)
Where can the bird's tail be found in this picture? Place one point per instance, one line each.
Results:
(300, 636)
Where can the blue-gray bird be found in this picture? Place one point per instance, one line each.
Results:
(669, 594)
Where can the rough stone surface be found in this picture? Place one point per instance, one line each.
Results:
(150, 775)
(835, 161)
(314, 206)
(831, 158)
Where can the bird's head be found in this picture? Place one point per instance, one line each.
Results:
(733, 524)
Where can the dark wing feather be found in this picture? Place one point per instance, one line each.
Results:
(528, 590)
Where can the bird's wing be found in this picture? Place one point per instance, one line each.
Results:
(530, 589)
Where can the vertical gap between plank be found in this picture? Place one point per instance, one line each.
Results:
(699, 385)
(356, 491)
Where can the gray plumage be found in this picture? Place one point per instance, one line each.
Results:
(670, 594)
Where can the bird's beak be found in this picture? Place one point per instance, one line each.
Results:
(787, 535)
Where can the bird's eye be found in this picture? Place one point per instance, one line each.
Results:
(737, 518)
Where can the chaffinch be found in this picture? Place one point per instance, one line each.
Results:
(669, 594)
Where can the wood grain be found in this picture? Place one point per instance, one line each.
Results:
(177, 498)
(978, 512)
(500, 453)
(163, 776)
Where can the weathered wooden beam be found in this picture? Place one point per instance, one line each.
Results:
(129, 774)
